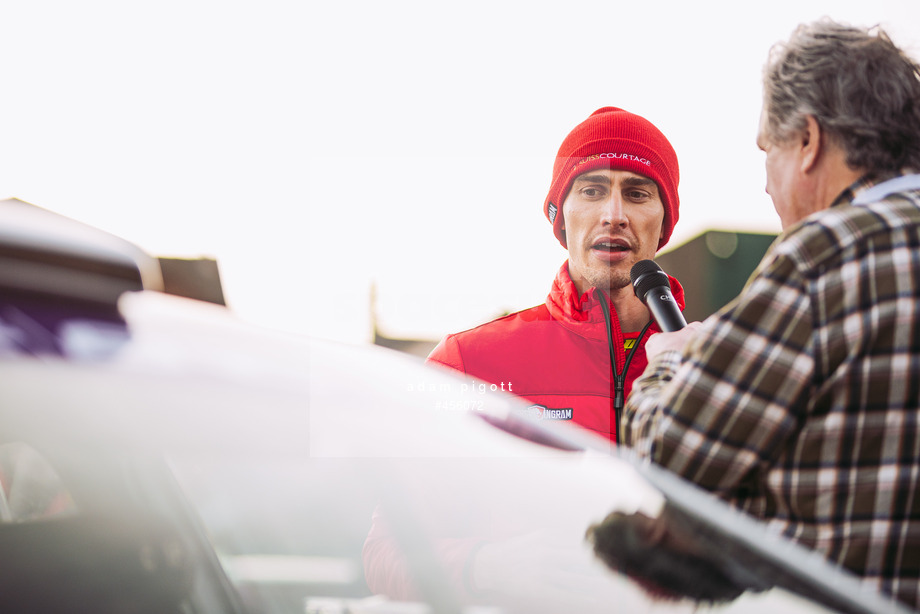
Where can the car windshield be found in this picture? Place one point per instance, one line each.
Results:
(501, 526)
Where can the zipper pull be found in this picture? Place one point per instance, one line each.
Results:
(619, 385)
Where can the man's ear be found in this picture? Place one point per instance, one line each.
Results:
(811, 144)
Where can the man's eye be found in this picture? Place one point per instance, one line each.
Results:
(591, 192)
(637, 195)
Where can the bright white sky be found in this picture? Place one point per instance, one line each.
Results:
(315, 148)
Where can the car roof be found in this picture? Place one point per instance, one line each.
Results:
(42, 252)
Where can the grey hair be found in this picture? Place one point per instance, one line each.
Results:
(863, 91)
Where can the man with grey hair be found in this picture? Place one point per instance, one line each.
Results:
(799, 402)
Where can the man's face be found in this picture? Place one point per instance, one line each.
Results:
(612, 219)
(782, 185)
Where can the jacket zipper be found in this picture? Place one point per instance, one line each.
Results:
(619, 379)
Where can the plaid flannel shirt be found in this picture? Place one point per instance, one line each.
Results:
(799, 402)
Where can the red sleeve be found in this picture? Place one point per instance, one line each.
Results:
(447, 353)
(387, 573)
(385, 568)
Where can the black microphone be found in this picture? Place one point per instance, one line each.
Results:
(652, 287)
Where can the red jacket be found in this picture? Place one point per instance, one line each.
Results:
(557, 355)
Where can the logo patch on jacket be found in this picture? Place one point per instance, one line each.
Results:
(542, 412)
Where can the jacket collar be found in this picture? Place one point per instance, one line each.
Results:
(583, 312)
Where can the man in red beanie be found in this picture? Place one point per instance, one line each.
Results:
(612, 202)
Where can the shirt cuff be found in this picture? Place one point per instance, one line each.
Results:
(667, 362)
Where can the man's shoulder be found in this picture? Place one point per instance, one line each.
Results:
(825, 236)
(503, 325)
(507, 331)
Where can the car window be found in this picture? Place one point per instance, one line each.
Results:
(38, 327)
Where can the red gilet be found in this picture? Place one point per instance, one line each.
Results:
(556, 355)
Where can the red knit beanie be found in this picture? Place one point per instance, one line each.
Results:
(616, 139)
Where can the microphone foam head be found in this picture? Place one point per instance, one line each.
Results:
(645, 275)
(641, 268)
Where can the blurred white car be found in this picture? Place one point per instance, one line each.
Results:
(158, 455)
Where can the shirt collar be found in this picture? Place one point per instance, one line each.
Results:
(866, 182)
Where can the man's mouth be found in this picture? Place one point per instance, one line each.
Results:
(610, 246)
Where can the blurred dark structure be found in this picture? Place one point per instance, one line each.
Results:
(713, 267)
(197, 278)
(416, 347)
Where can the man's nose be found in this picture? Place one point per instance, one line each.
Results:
(614, 212)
